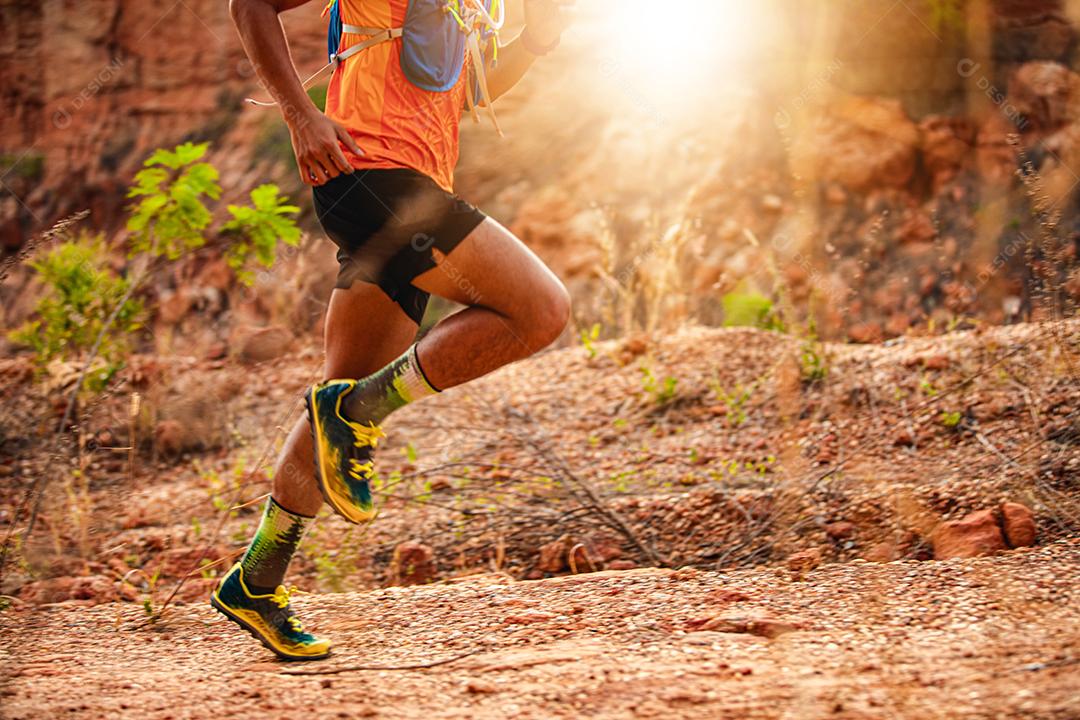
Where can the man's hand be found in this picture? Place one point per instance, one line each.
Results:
(544, 20)
(315, 139)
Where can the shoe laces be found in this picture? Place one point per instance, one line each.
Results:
(367, 435)
(281, 597)
(361, 470)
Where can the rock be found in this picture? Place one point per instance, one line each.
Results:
(975, 535)
(892, 548)
(632, 347)
(413, 564)
(866, 332)
(804, 561)
(621, 565)
(480, 687)
(94, 588)
(1018, 525)
(860, 143)
(1045, 94)
(216, 274)
(173, 306)
(265, 344)
(762, 626)
(841, 530)
(553, 555)
(528, 618)
(947, 144)
(1026, 29)
(170, 437)
(216, 350)
(917, 228)
(772, 203)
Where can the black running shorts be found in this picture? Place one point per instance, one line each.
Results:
(386, 223)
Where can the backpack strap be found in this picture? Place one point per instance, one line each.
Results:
(378, 36)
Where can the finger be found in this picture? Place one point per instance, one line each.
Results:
(315, 173)
(305, 174)
(336, 159)
(327, 170)
(345, 137)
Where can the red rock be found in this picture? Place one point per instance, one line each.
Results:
(840, 530)
(917, 228)
(216, 274)
(1018, 525)
(621, 565)
(860, 143)
(724, 595)
(528, 618)
(804, 560)
(480, 687)
(947, 144)
(975, 535)
(762, 626)
(553, 555)
(413, 564)
(866, 332)
(265, 344)
(893, 548)
(216, 351)
(169, 437)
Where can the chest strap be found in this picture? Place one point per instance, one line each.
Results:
(378, 36)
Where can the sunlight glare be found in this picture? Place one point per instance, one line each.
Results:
(680, 42)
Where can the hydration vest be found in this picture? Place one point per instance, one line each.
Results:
(436, 36)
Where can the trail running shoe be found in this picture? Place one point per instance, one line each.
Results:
(343, 464)
(268, 618)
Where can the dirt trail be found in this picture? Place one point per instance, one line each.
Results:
(984, 638)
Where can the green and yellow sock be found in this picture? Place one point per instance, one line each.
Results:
(379, 394)
(272, 548)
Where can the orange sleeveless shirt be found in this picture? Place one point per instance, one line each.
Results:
(395, 123)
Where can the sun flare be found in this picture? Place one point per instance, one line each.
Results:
(678, 43)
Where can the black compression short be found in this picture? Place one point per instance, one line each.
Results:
(386, 223)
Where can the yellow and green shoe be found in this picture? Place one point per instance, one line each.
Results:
(343, 464)
(268, 618)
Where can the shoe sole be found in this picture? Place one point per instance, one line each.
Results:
(224, 610)
(313, 424)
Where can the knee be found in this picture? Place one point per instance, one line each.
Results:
(551, 313)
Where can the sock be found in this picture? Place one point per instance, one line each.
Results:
(379, 394)
(272, 548)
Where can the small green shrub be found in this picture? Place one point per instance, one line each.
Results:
(257, 229)
(750, 310)
(662, 392)
(171, 215)
(589, 337)
(81, 294)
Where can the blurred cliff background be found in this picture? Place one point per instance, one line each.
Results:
(874, 164)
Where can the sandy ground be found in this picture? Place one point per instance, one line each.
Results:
(993, 637)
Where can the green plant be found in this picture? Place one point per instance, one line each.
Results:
(813, 360)
(735, 401)
(951, 419)
(750, 310)
(171, 215)
(662, 392)
(257, 229)
(81, 293)
(588, 339)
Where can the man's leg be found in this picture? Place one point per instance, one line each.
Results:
(364, 330)
(515, 307)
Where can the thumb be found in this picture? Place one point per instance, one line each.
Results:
(344, 136)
